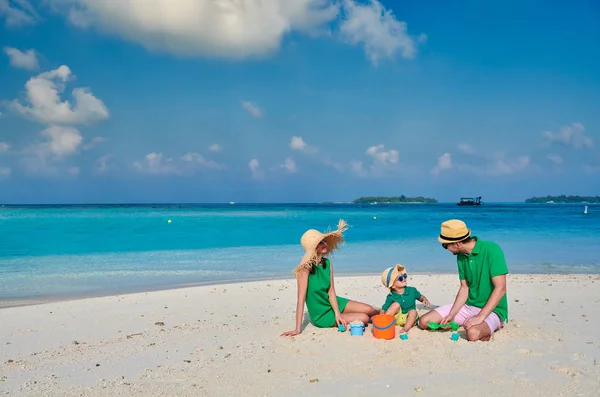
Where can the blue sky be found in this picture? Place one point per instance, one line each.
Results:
(311, 100)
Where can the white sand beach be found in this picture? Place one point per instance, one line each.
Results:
(224, 340)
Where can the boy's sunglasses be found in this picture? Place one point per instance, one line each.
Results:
(402, 277)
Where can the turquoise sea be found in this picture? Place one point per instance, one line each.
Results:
(50, 252)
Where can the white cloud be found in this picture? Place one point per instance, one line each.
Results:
(255, 169)
(253, 109)
(60, 137)
(297, 143)
(196, 158)
(555, 158)
(45, 105)
(5, 171)
(94, 142)
(289, 165)
(102, 164)
(503, 165)
(155, 164)
(18, 13)
(444, 163)
(215, 147)
(358, 168)
(382, 162)
(381, 156)
(224, 28)
(498, 165)
(22, 60)
(62, 140)
(570, 135)
(377, 29)
(466, 148)
(239, 29)
(590, 169)
(73, 170)
(4, 147)
(336, 165)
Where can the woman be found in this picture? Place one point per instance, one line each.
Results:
(316, 287)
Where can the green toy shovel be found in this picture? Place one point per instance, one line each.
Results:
(451, 324)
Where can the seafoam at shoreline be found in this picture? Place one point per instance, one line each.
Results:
(8, 302)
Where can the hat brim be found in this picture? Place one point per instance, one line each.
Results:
(333, 240)
(450, 240)
(310, 252)
(395, 273)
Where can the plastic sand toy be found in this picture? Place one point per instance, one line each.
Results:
(341, 328)
(357, 329)
(451, 324)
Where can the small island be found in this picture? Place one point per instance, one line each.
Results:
(563, 199)
(393, 199)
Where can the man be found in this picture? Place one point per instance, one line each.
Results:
(481, 306)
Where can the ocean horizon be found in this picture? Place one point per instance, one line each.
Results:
(193, 203)
(50, 251)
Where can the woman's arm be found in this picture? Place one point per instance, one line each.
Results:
(333, 297)
(302, 281)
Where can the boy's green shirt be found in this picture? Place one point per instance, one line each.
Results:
(406, 299)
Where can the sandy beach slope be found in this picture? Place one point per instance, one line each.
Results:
(224, 341)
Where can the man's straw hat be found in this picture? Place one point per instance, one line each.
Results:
(390, 275)
(453, 231)
(311, 238)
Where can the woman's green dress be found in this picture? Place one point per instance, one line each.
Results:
(317, 297)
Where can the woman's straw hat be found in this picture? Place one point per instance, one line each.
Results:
(390, 275)
(311, 238)
(454, 231)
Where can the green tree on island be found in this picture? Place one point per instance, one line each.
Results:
(564, 199)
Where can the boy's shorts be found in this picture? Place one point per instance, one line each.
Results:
(467, 311)
(401, 318)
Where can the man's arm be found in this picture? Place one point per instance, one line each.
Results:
(497, 294)
(459, 302)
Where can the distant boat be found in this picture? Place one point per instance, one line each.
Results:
(585, 210)
(469, 201)
(232, 202)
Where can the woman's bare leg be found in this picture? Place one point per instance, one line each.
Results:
(358, 311)
(349, 317)
(359, 307)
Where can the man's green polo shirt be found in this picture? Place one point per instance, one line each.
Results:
(485, 261)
